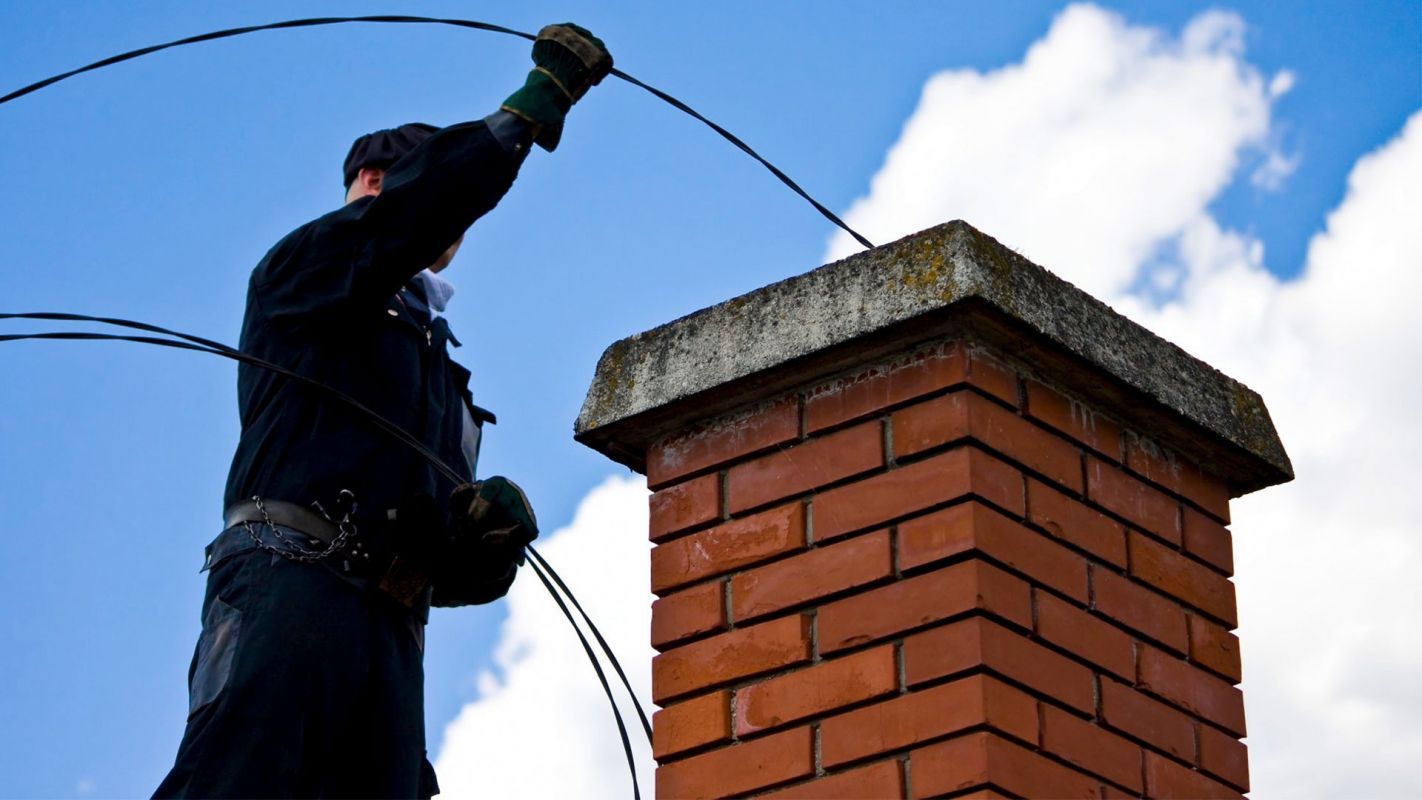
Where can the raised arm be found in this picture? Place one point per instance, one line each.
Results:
(354, 259)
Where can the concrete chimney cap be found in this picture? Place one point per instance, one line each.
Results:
(949, 280)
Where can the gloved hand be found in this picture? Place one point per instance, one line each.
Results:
(494, 511)
(568, 61)
(492, 521)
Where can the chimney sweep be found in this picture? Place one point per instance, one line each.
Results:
(307, 678)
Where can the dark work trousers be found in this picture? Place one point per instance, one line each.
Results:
(304, 684)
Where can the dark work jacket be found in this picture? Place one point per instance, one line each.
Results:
(325, 303)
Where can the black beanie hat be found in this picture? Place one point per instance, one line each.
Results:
(383, 148)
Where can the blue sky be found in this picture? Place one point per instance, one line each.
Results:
(150, 189)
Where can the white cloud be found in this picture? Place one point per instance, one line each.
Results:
(1330, 604)
(1098, 156)
(1277, 165)
(1281, 83)
(541, 727)
(1274, 170)
(1102, 142)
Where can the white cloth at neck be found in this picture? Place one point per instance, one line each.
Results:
(437, 290)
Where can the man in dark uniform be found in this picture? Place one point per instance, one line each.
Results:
(307, 680)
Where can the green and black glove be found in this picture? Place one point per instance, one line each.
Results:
(494, 511)
(492, 521)
(568, 60)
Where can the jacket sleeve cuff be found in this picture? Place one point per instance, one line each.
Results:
(513, 133)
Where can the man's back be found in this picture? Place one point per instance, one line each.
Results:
(299, 444)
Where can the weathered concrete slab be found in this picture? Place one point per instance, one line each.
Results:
(951, 279)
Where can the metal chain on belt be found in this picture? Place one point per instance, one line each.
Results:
(297, 551)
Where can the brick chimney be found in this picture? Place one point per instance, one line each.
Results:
(930, 521)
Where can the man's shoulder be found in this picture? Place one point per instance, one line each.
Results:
(329, 236)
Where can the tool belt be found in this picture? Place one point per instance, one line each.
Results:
(357, 557)
(283, 513)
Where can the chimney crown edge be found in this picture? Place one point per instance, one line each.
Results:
(948, 279)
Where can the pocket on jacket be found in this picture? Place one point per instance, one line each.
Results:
(217, 650)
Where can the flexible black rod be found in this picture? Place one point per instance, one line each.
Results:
(601, 676)
(459, 23)
(646, 726)
(201, 345)
(65, 316)
(384, 424)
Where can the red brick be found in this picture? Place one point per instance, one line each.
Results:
(1139, 608)
(1224, 757)
(992, 376)
(728, 439)
(921, 600)
(891, 384)
(810, 576)
(740, 653)
(740, 768)
(1092, 748)
(1085, 636)
(899, 492)
(1109, 792)
(691, 723)
(814, 690)
(1188, 581)
(1075, 522)
(729, 545)
(1149, 720)
(932, 423)
(973, 526)
(809, 465)
(685, 505)
(1214, 648)
(885, 385)
(880, 779)
(937, 422)
(687, 613)
(1194, 690)
(1208, 540)
(1181, 476)
(1074, 419)
(1119, 493)
(983, 758)
(976, 642)
(928, 714)
(1168, 780)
